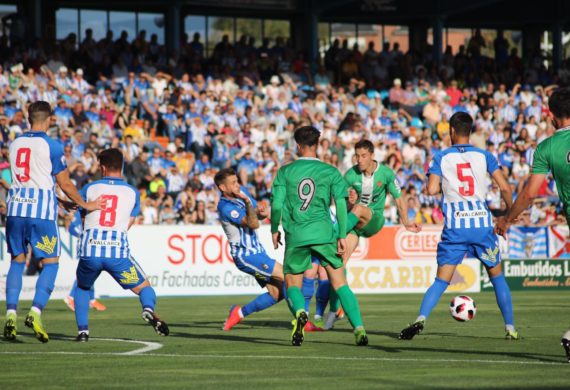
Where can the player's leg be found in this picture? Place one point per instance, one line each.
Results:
(93, 302)
(504, 300)
(565, 342)
(69, 300)
(337, 277)
(309, 283)
(297, 261)
(17, 246)
(448, 257)
(358, 217)
(269, 274)
(322, 296)
(88, 271)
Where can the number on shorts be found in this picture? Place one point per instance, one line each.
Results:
(306, 192)
(23, 161)
(108, 210)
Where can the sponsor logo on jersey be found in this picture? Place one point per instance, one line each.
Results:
(18, 199)
(130, 277)
(47, 245)
(471, 214)
(104, 242)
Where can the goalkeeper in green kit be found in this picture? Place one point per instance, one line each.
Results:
(301, 199)
(551, 155)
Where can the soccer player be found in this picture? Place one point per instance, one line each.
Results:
(239, 215)
(551, 155)
(369, 182)
(36, 163)
(75, 229)
(104, 244)
(461, 173)
(301, 199)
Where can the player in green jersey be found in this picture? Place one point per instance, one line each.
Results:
(369, 183)
(300, 201)
(551, 155)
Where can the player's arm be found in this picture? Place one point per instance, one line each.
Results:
(278, 193)
(504, 187)
(434, 184)
(68, 188)
(340, 193)
(250, 220)
(352, 194)
(396, 192)
(136, 209)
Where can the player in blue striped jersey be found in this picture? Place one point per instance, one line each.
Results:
(104, 245)
(239, 217)
(460, 172)
(37, 164)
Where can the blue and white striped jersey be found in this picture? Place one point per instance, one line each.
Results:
(463, 170)
(243, 240)
(35, 160)
(105, 231)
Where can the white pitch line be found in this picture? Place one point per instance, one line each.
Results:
(262, 357)
(148, 346)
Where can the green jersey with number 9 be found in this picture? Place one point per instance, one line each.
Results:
(306, 186)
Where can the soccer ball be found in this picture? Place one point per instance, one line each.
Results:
(462, 308)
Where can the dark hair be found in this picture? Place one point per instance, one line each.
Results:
(111, 159)
(38, 112)
(364, 144)
(559, 103)
(307, 136)
(222, 175)
(462, 123)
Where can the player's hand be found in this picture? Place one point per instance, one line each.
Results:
(241, 195)
(352, 196)
(96, 204)
(276, 238)
(68, 205)
(501, 226)
(413, 227)
(341, 246)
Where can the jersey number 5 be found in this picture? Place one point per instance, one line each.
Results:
(108, 210)
(469, 188)
(23, 161)
(306, 192)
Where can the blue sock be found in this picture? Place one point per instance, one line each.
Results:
(73, 288)
(308, 291)
(14, 284)
(432, 295)
(261, 302)
(147, 296)
(81, 309)
(323, 290)
(45, 285)
(92, 293)
(503, 295)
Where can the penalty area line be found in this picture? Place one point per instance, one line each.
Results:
(264, 357)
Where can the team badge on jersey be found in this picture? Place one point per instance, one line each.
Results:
(379, 184)
(131, 277)
(234, 213)
(47, 245)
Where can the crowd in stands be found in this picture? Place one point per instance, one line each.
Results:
(179, 117)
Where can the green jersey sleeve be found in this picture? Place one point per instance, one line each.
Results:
(339, 188)
(540, 163)
(393, 186)
(278, 193)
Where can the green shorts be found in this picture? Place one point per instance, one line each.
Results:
(298, 259)
(373, 227)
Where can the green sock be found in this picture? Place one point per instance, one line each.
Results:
(350, 305)
(334, 303)
(296, 299)
(351, 222)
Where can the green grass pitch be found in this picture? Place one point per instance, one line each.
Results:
(257, 353)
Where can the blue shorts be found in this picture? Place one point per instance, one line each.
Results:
(41, 235)
(260, 266)
(482, 245)
(315, 260)
(126, 272)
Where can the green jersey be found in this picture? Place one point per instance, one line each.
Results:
(553, 155)
(301, 199)
(372, 190)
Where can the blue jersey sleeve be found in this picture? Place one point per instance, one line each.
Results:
(435, 165)
(57, 158)
(492, 164)
(231, 213)
(137, 209)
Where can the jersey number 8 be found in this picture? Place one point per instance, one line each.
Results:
(306, 192)
(108, 210)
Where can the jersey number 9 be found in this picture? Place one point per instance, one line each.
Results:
(306, 192)
(108, 210)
